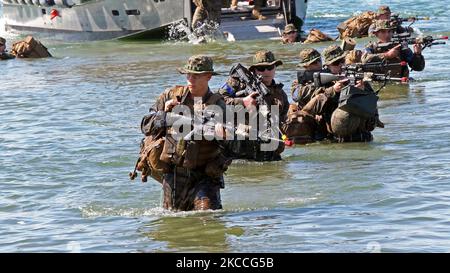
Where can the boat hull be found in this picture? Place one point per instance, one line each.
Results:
(95, 20)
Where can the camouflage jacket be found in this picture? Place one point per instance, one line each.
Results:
(415, 61)
(154, 124)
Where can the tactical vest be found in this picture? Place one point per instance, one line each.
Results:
(190, 154)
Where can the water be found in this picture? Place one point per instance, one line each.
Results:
(69, 134)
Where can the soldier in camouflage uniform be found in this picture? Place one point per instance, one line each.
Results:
(194, 174)
(291, 35)
(264, 64)
(384, 13)
(4, 55)
(310, 59)
(383, 31)
(320, 112)
(340, 125)
(207, 10)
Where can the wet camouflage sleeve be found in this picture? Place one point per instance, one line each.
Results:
(302, 94)
(153, 123)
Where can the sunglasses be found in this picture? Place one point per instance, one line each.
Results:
(264, 68)
(291, 32)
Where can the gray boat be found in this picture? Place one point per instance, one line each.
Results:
(116, 19)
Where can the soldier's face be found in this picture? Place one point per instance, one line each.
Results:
(384, 35)
(386, 16)
(2, 48)
(198, 82)
(291, 36)
(315, 66)
(267, 73)
(336, 67)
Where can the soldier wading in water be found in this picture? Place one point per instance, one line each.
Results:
(190, 170)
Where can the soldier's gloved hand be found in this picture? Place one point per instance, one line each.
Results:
(417, 49)
(393, 52)
(339, 85)
(250, 100)
(168, 106)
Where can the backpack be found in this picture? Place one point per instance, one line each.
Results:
(317, 36)
(149, 162)
(362, 103)
(357, 26)
(30, 48)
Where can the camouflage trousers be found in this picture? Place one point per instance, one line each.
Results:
(207, 10)
(186, 190)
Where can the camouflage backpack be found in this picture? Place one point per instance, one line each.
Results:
(30, 48)
(317, 36)
(357, 26)
(149, 163)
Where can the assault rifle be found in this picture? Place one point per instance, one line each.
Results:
(396, 20)
(405, 40)
(253, 83)
(353, 72)
(359, 72)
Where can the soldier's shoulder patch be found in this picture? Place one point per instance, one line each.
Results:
(229, 90)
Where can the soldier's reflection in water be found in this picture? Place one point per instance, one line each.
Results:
(199, 233)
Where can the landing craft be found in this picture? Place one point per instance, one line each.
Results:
(115, 19)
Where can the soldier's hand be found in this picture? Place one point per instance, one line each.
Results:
(339, 85)
(168, 106)
(360, 85)
(393, 52)
(250, 100)
(417, 49)
(318, 118)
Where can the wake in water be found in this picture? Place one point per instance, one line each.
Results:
(204, 33)
(96, 211)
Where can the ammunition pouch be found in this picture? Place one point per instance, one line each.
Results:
(173, 151)
(149, 159)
